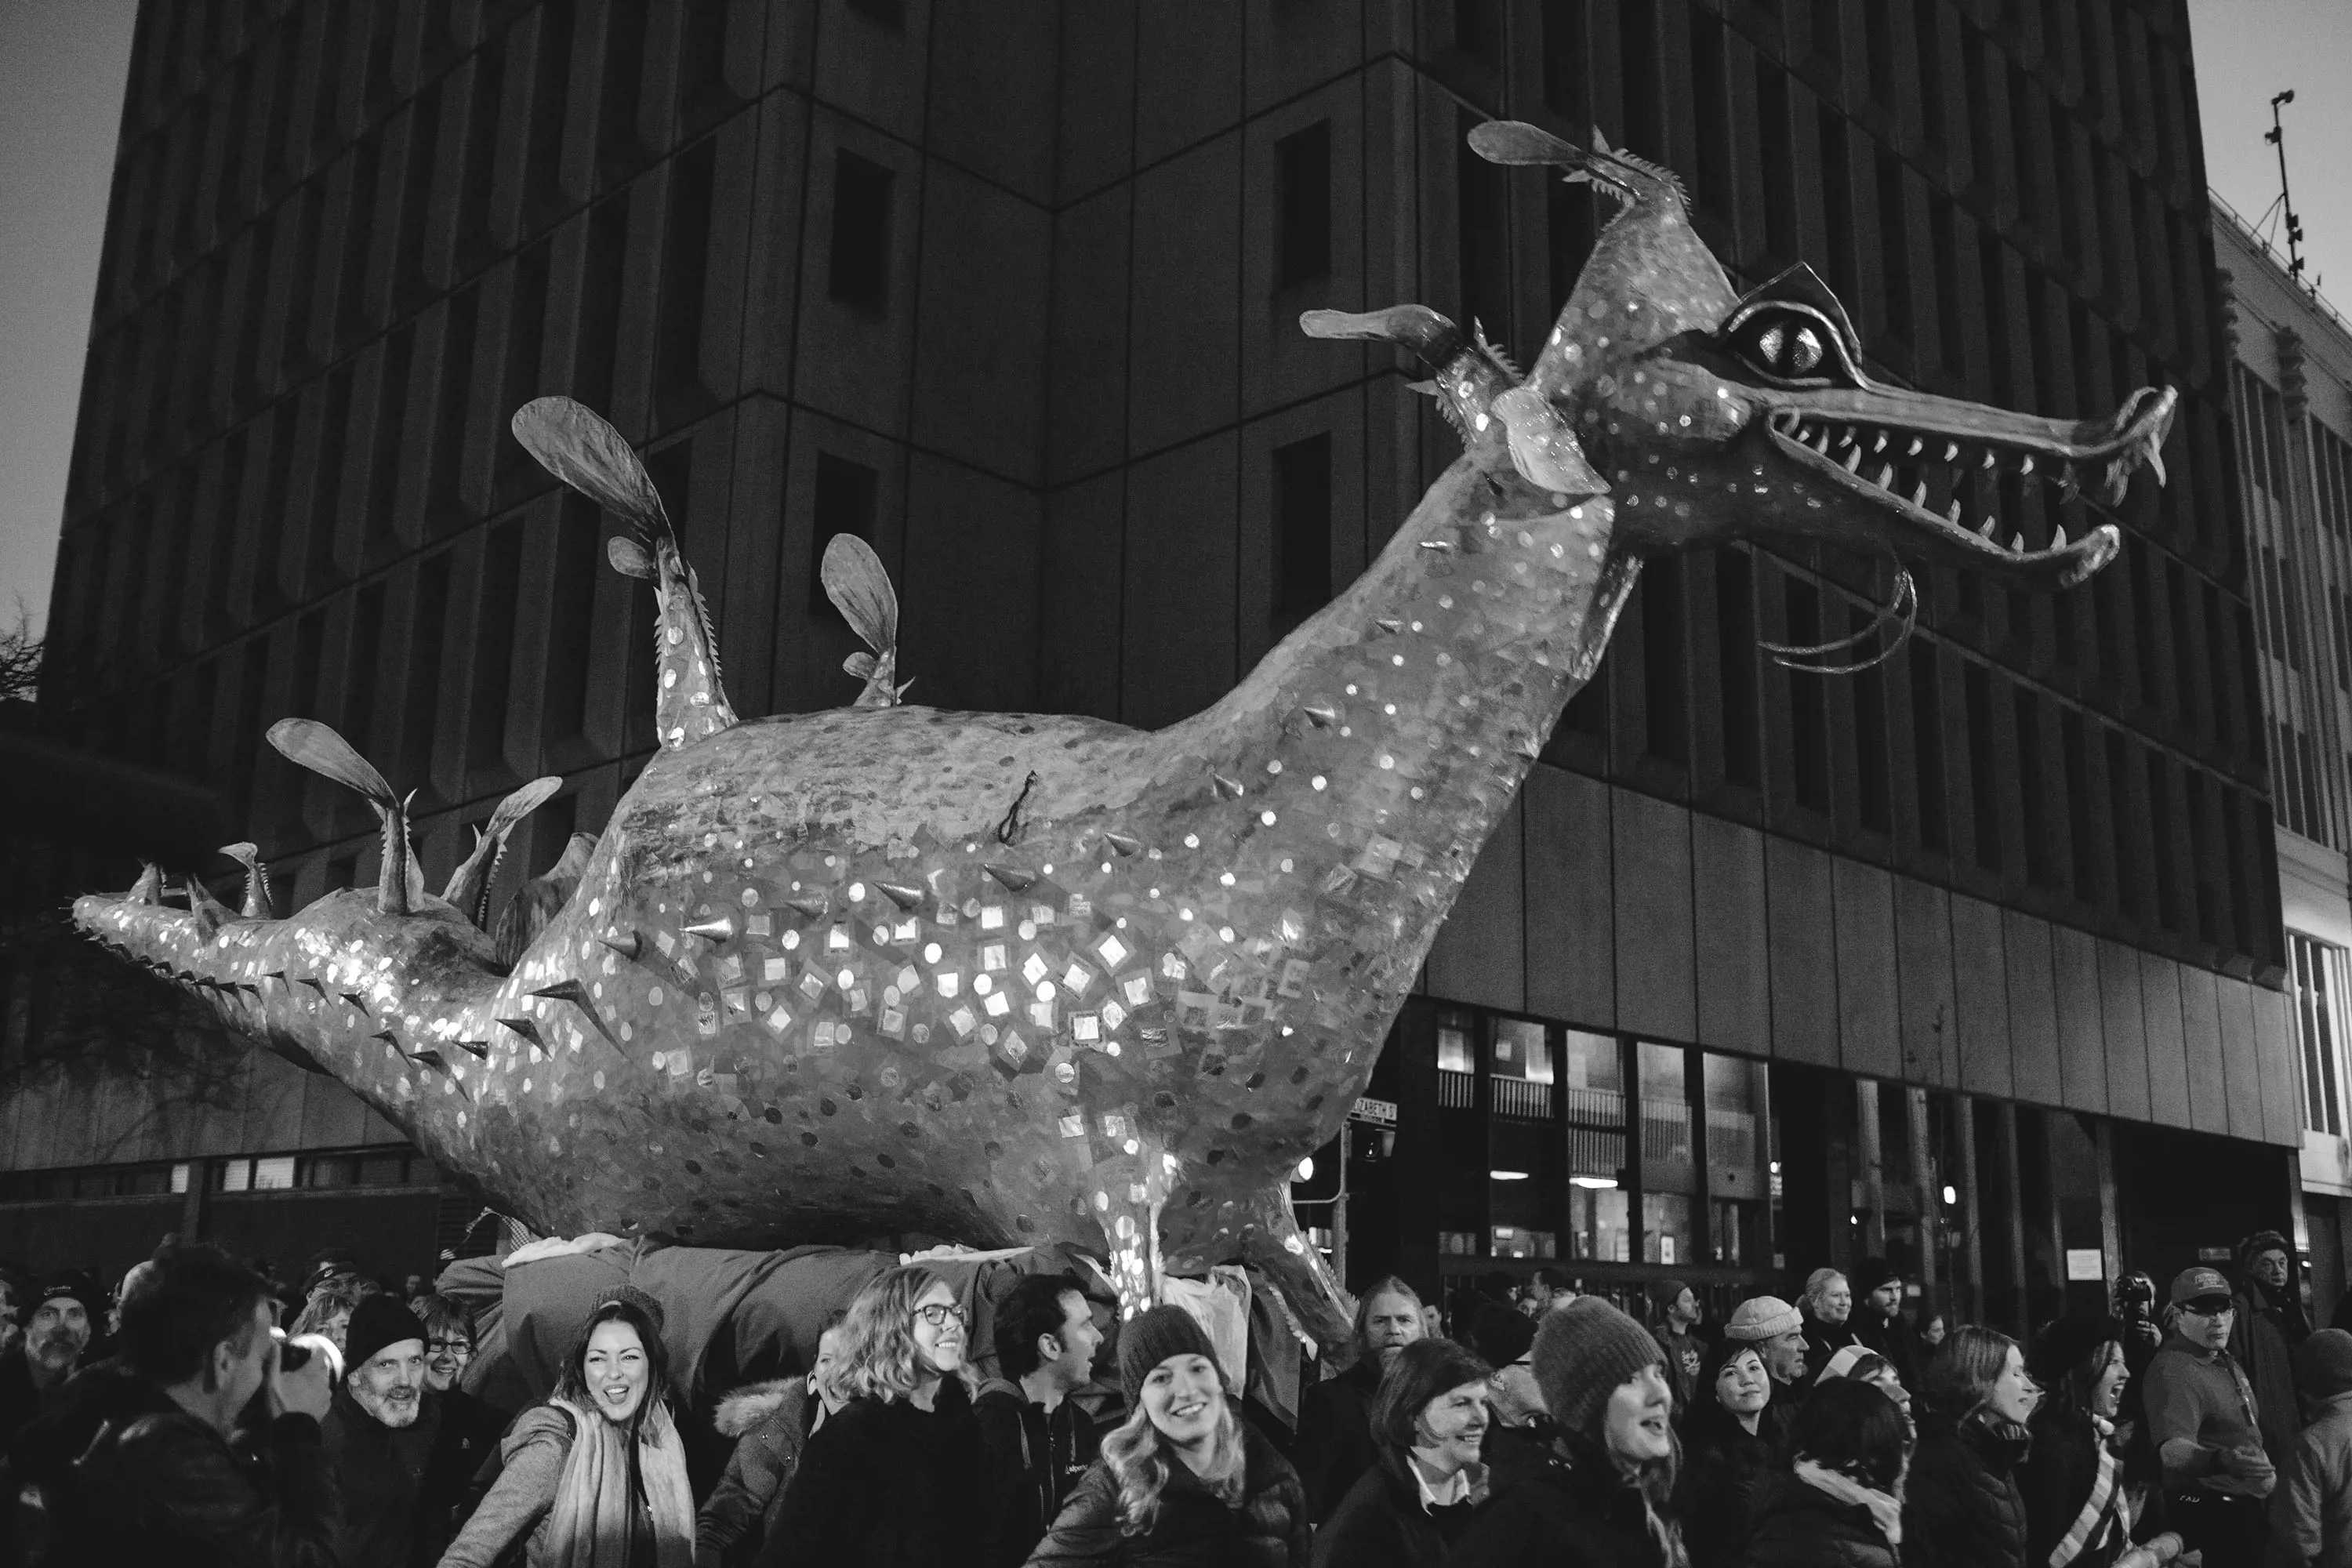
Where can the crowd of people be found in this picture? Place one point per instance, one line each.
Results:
(198, 1414)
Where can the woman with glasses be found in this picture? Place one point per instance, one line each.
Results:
(1725, 1453)
(469, 1428)
(597, 1474)
(897, 1476)
(1961, 1508)
(1183, 1482)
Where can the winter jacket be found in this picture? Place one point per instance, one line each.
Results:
(1794, 1525)
(379, 1470)
(1035, 1459)
(1194, 1527)
(1961, 1508)
(1823, 1341)
(2260, 1345)
(1384, 1523)
(1723, 1466)
(1512, 1453)
(1576, 1512)
(2311, 1511)
(1684, 1351)
(1892, 1336)
(2200, 1404)
(883, 1484)
(470, 1431)
(57, 1528)
(169, 1489)
(516, 1510)
(768, 1422)
(2056, 1479)
(1335, 1434)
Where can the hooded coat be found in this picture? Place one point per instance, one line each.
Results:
(1035, 1459)
(768, 1422)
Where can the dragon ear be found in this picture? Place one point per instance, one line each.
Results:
(860, 589)
(317, 747)
(586, 452)
(1543, 448)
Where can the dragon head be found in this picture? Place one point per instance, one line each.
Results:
(1705, 415)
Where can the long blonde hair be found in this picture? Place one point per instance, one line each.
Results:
(1140, 1460)
(878, 1357)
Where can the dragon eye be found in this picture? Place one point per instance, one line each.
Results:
(1769, 344)
(1807, 352)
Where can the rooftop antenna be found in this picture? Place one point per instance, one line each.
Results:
(2276, 137)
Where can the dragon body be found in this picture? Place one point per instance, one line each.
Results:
(1016, 978)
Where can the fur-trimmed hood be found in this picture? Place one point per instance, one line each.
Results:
(756, 1403)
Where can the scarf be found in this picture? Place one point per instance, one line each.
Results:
(1884, 1511)
(595, 1512)
(2099, 1522)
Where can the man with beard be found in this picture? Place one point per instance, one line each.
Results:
(55, 1337)
(1335, 1421)
(1878, 1321)
(380, 1435)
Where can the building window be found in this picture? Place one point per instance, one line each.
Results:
(2317, 972)
(1302, 520)
(859, 275)
(1302, 172)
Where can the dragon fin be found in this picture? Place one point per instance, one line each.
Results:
(581, 448)
(860, 589)
(317, 747)
(537, 902)
(469, 885)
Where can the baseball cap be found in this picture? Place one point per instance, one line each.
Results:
(2193, 1285)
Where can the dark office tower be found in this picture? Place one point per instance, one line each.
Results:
(1763, 963)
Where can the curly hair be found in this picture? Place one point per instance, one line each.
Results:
(336, 1297)
(1139, 1460)
(878, 1352)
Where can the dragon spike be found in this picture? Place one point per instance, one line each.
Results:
(527, 1027)
(573, 992)
(719, 929)
(860, 589)
(210, 912)
(469, 885)
(627, 943)
(256, 879)
(149, 888)
(906, 895)
(316, 746)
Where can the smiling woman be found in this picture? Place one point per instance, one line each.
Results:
(597, 1473)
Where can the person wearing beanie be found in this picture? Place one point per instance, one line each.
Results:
(2269, 1299)
(1726, 1452)
(1878, 1321)
(1184, 1480)
(1777, 1330)
(1604, 1500)
(2076, 1486)
(2311, 1511)
(1335, 1419)
(1520, 1437)
(380, 1435)
(57, 1332)
(1676, 1305)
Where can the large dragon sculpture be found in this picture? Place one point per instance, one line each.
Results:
(1012, 978)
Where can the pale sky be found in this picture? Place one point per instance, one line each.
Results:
(63, 64)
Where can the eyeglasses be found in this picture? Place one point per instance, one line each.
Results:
(939, 1314)
(449, 1347)
(2222, 1311)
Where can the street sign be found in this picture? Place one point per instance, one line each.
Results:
(1379, 1112)
(2085, 1263)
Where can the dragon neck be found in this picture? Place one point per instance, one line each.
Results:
(1401, 720)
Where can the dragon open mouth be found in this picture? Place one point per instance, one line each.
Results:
(1935, 468)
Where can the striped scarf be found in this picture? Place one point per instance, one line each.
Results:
(2099, 1522)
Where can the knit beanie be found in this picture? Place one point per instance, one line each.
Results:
(1501, 1335)
(1665, 1293)
(1149, 1338)
(2066, 1344)
(377, 1322)
(1584, 1351)
(2323, 1364)
(1762, 1317)
(1874, 1272)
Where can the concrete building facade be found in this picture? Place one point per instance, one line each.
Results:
(1965, 959)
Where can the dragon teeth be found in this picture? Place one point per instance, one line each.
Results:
(2017, 543)
(1885, 480)
(1917, 446)
(2058, 537)
(1985, 531)
(1952, 512)
(1881, 444)
(1991, 459)
(2025, 465)
(1919, 495)
(1951, 451)
(1853, 460)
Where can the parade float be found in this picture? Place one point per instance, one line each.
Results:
(1026, 982)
